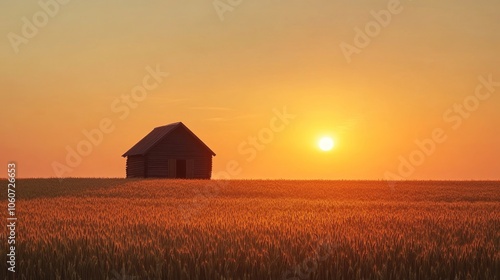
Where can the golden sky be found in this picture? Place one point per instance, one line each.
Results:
(376, 76)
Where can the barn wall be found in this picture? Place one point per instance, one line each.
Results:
(163, 166)
(135, 166)
(203, 167)
(179, 145)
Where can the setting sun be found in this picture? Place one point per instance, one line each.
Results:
(326, 143)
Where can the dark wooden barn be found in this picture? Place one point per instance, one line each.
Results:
(170, 151)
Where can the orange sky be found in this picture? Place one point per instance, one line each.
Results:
(230, 67)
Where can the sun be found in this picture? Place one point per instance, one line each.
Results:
(326, 143)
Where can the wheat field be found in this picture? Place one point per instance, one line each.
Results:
(187, 229)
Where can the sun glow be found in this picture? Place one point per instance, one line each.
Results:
(326, 144)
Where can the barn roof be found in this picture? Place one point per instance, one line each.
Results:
(156, 135)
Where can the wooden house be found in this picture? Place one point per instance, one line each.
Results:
(170, 151)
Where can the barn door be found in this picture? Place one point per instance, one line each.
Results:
(172, 168)
(180, 171)
(190, 168)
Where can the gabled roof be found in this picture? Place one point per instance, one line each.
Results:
(156, 135)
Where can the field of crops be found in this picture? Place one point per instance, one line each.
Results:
(164, 229)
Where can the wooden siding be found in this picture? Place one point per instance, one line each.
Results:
(199, 167)
(161, 159)
(135, 167)
(190, 168)
(170, 168)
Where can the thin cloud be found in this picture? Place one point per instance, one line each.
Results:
(248, 116)
(208, 108)
(172, 100)
(236, 118)
(216, 119)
